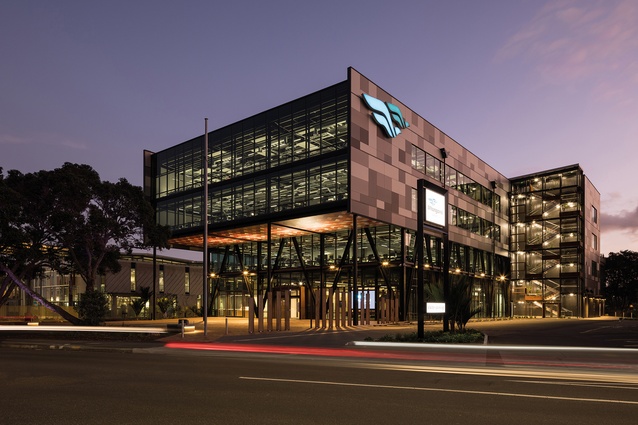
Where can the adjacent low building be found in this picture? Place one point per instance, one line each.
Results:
(177, 291)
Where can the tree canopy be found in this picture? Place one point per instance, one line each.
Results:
(71, 221)
(621, 280)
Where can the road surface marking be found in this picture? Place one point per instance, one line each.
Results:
(575, 384)
(618, 378)
(444, 390)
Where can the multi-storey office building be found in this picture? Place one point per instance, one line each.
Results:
(321, 192)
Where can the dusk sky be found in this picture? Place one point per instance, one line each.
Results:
(525, 85)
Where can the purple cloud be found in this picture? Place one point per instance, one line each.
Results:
(625, 221)
(7, 139)
(572, 41)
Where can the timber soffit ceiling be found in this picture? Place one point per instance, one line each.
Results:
(327, 223)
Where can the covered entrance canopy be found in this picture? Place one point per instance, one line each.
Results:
(324, 223)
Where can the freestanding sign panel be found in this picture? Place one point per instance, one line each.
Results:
(431, 212)
(435, 308)
(435, 207)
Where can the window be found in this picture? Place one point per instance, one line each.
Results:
(594, 214)
(475, 224)
(426, 163)
(594, 269)
(594, 241)
(433, 168)
(133, 282)
(161, 279)
(418, 159)
(187, 281)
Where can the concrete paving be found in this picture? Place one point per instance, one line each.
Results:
(594, 332)
(599, 332)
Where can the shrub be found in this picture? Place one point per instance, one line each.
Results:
(468, 336)
(93, 308)
(164, 305)
(138, 304)
(192, 311)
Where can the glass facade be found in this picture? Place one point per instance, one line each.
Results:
(57, 288)
(474, 224)
(437, 170)
(291, 157)
(179, 169)
(384, 260)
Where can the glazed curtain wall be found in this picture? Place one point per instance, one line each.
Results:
(385, 257)
(302, 187)
(319, 185)
(547, 235)
(436, 169)
(292, 156)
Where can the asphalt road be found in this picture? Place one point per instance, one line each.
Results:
(599, 332)
(347, 385)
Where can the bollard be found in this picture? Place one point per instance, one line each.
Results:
(278, 310)
(227, 326)
(287, 310)
(330, 308)
(251, 314)
(260, 309)
(317, 308)
(271, 312)
(182, 323)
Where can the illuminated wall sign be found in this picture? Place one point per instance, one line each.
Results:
(435, 207)
(386, 115)
(434, 308)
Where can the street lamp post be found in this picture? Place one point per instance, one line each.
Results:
(205, 221)
(419, 258)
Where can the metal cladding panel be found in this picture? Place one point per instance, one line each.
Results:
(592, 231)
(382, 176)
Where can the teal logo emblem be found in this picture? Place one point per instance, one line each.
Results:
(387, 115)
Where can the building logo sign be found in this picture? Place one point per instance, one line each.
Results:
(387, 115)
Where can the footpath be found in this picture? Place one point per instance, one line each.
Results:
(131, 335)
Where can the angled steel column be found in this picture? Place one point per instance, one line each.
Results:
(153, 300)
(403, 305)
(355, 272)
(420, 217)
(269, 265)
(446, 281)
(322, 280)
